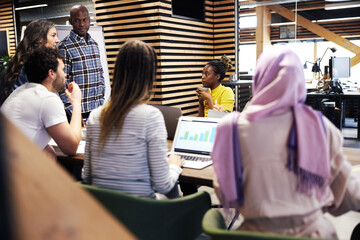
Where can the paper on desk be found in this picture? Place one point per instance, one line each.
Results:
(356, 170)
(81, 147)
(216, 114)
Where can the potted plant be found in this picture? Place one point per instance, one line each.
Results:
(4, 63)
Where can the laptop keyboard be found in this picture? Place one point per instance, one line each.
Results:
(194, 158)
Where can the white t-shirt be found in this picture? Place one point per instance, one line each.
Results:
(33, 108)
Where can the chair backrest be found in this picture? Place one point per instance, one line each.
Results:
(156, 219)
(214, 225)
(171, 117)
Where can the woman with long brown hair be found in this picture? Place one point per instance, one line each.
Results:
(37, 33)
(126, 142)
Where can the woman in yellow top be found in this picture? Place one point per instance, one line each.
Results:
(219, 97)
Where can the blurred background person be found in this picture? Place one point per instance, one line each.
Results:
(126, 140)
(37, 33)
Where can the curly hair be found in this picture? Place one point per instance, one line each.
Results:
(38, 63)
(221, 66)
(36, 31)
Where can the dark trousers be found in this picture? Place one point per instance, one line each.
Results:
(174, 192)
(188, 188)
(85, 116)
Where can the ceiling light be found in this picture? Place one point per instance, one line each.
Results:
(283, 23)
(253, 4)
(31, 6)
(336, 19)
(334, 6)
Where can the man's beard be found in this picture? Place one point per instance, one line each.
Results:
(58, 85)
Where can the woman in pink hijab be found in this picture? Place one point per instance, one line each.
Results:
(279, 161)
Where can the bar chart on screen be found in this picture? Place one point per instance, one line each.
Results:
(206, 136)
(196, 134)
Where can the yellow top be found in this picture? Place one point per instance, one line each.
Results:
(223, 96)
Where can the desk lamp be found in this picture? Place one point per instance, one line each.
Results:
(315, 69)
(316, 65)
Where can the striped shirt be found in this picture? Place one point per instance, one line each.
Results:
(83, 66)
(133, 161)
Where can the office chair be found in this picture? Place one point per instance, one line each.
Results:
(156, 219)
(214, 226)
(355, 235)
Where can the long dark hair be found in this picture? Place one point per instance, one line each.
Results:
(134, 75)
(36, 31)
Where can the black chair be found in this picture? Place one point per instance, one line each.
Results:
(355, 235)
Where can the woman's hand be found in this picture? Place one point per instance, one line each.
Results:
(202, 94)
(176, 160)
(218, 108)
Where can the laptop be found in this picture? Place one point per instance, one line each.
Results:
(216, 114)
(194, 140)
(171, 117)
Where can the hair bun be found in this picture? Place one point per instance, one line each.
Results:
(227, 62)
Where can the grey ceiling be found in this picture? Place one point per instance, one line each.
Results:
(55, 9)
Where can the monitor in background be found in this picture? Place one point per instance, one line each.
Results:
(191, 9)
(339, 67)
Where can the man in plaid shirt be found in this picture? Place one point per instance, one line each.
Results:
(82, 62)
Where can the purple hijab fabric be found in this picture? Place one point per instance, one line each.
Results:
(279, 83)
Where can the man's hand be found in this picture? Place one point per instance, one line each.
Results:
(73, 93)
(49, 150)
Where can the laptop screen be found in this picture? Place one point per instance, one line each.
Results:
(195, 136)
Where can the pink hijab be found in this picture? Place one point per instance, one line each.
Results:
(279, 83)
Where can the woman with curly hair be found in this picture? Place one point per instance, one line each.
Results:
(37, 33)
(219, 98)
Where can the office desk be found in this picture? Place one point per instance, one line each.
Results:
(353, 155)
(340, 100)
(201, 177)
(236, 84)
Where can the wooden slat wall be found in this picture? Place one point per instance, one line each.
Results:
(7, 22)
(224, 33)
(183, 46)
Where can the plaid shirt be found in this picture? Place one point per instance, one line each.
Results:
(83, 66)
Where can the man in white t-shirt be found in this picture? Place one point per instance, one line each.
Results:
(36, 108)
